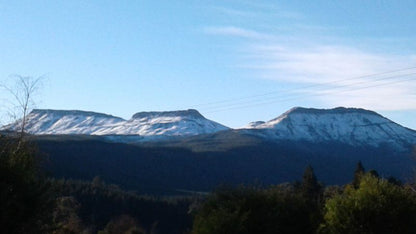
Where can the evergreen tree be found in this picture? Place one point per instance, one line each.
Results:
(310, 187)
(26, 199)
(393, 180)
(358, 173)
(374, 173)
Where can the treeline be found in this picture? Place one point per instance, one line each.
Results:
(91, 206)
(162, 170)
(368, 204)
(26, 198)
(32, 203)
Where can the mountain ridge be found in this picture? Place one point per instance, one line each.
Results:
(67, 112)
(187, 113)
(162, 123)
(354, 126)
(271, 151)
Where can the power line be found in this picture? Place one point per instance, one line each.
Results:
(316, 94)
(212, 109)
(301, 88)
(289, 99)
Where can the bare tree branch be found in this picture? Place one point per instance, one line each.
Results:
(22, 91)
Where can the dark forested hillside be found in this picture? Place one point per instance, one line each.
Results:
(96, 204)
(103, 201)
(179, 167)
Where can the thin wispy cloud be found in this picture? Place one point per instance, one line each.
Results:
(257, 11)
(233, 12)
(381, 98)
(270, 9)
(343, 73)
(236, 32)
(300, 59)
(318, 64)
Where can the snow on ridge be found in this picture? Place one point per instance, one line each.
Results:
(349, 125)
(66, 121)
(336, 110)
(72, 112)
(172, 123)
(166, 123)
(180, 113)
(312, 115)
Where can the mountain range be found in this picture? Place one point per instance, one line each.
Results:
(347, 125)
(170, 151)
(166, 123)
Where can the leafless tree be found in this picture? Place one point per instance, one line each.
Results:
(21, 91)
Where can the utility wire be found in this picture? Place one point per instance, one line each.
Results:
(316, 94)
(301, 88)
(297, 94)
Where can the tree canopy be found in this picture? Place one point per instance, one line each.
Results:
(377, 206)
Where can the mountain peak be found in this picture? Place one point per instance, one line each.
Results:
(179, 113)
(354, 126)
(156, 123)
(337, 110)
(71, 112)
(349, 125)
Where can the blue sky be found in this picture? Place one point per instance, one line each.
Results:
(234, 61)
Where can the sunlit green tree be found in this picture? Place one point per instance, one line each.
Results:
(377, 206)
(251, 210)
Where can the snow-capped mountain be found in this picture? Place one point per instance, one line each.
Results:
(65, 122)
(166, 123)
(348, 125)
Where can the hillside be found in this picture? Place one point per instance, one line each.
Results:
(183, 151)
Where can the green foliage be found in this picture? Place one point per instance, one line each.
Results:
(331, 191)
(377, 206)
(123, 225)
(102, 206)
(66, 216)
(252, 210)
(26, 199)
(29, 205)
